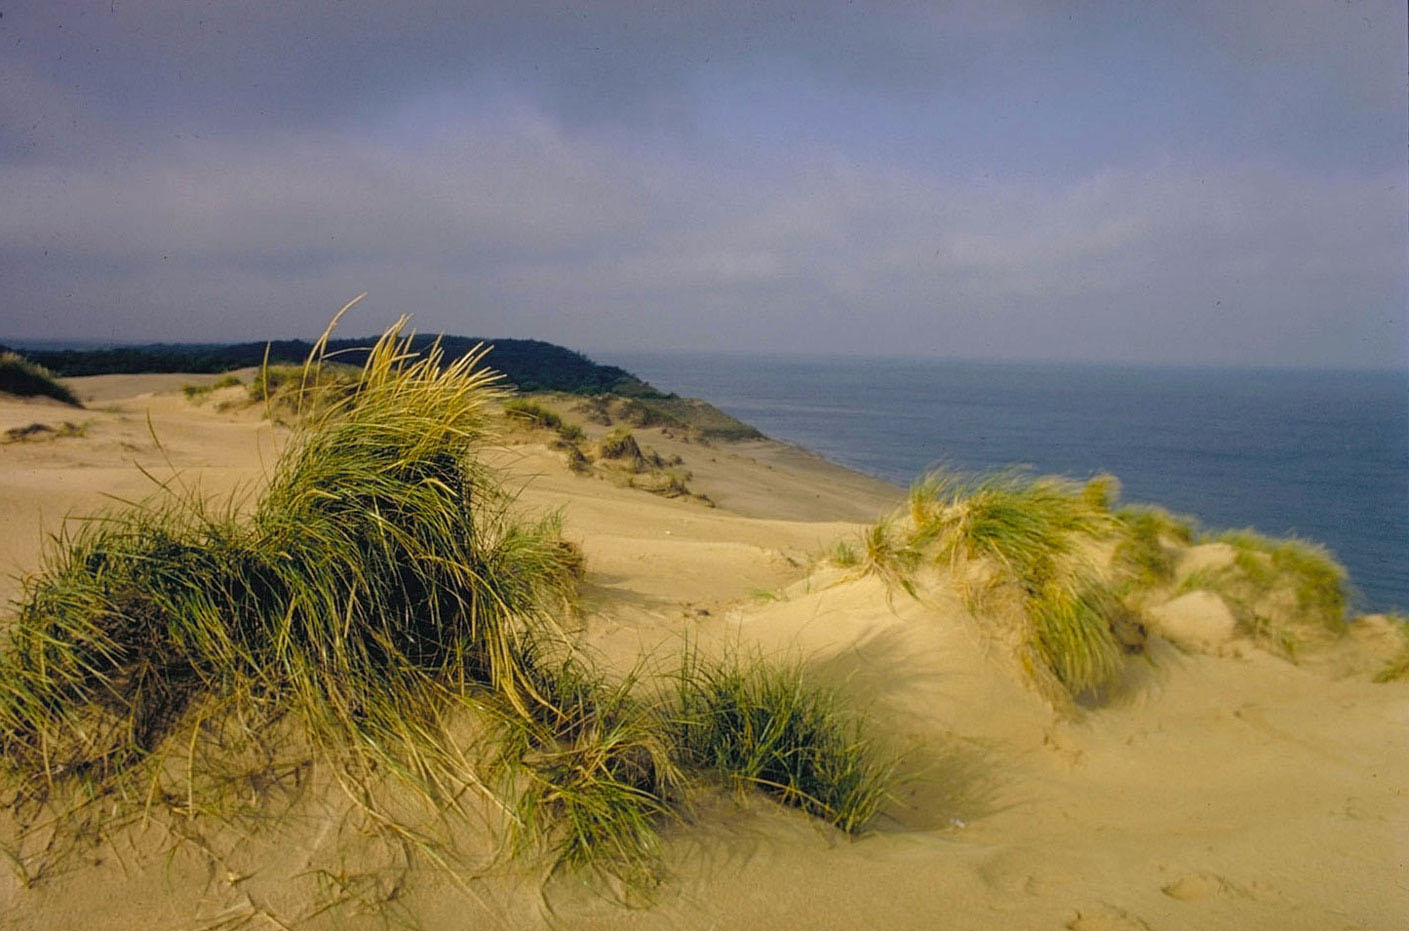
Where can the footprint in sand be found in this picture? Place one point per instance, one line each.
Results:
(1106, 918)
(1201, 886)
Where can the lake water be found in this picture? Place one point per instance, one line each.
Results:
(1322, 455)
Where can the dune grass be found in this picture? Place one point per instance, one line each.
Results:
(843, 554)
(1083, 567)
(767, 727)
(197, 393)
(380, 578)
(1144, 553)
(384, 611)
(1073, 635)
(1025, 525)
(42, 431)
(884, 552)
(1284, 593)
(539, 416)
(591, 772)
(1036, 535)
(25, 379)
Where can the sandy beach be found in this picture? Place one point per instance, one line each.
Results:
(1217, 786)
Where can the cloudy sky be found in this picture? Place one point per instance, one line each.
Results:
(1186, 182)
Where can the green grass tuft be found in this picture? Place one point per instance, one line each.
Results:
(591, 772)
(381, 609)
(764, 727)
(1038, 535)
(843, 554)
(23, 378)
(198, 392)
(1025, 525)
(1072, 634)
(1285, 592)
(1144, 554)
(539, 416)
(380, 581)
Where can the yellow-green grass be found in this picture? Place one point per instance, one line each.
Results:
(755, 725)
(380, 581)
(292, 391)
(1284, 592)
(1144, 553)
(620, 444)
(1027, 526)
(537, 415)
(1036, 534)
(198, 392)
(843, 554)
(23, 378)
(383, 610)
(43, 431)
(591, 774)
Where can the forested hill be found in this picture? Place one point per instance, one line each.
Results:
(529, 364)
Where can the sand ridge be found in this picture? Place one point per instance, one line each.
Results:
(1210, 791)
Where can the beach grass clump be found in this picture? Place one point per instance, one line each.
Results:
(382, 609)
(622, 460)
(885, 553)
(1146, 553)
(1038, 536)
(537, 415)
(1026, 526)
(197, 393)
(26, 379)
(843, 554)
(591, 773)
(766, 727)
(620, 445)
(37, 431)
(1284, 592)
(1073, 635)
(292, 391)
(380, 579)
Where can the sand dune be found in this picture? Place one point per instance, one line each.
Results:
(1226, 791)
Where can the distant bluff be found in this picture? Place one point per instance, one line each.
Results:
(528, 364)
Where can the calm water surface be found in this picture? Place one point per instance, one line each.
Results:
(1323, 455)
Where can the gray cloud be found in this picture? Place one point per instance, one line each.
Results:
(815, 177)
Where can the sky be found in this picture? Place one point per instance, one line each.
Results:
(1185, 182)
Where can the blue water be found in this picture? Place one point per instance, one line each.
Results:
(1322, 455)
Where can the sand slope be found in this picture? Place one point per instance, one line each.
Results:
(1234, 791)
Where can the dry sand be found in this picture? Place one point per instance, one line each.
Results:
(1227, 791)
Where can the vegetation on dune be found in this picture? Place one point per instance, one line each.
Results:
(766, 727)
(591, 771)
(1036, 535)
(540, 416)
(43, 431)
(26, 379)
(884, 554)
(380, 610)
(1145, 553)
(693, 418)
(198, 393)
(1284, 593)
(1042, 538)
(621, 458)
(1083, 569)
(380, 578)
